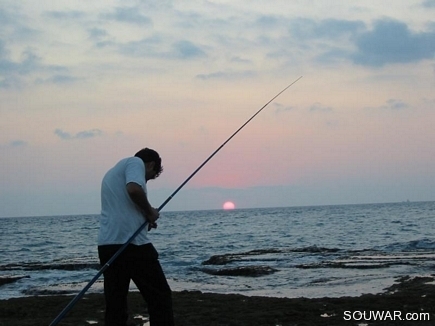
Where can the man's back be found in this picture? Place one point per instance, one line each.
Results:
(120, 217)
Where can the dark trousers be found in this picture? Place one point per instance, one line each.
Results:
(140, 264)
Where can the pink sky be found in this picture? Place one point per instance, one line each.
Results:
(82, 86)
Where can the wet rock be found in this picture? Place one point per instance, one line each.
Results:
(247, 271)
(315, 249)
(351, 265)
(5, 279)
(232, 257)
(228, 258)
(219, 260)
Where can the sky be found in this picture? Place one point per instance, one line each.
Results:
(84, 84)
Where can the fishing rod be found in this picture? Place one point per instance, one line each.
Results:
(139, 230)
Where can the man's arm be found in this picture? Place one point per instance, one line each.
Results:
(139, 197)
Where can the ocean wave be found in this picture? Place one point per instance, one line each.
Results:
(37, 266)
(247, 271)
(356, 250)
(375, 260)
(413, 245)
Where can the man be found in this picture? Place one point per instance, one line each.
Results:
(124, 208)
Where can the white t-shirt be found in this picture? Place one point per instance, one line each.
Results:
(120, 217)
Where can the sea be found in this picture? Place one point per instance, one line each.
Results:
(318, 251)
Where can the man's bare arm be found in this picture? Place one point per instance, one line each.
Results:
(139, 197)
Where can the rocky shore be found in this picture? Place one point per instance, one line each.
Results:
(409, 298)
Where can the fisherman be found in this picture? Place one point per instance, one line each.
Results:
(124, 208)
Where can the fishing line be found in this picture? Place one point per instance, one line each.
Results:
(139, 230)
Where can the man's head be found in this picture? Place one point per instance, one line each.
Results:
(152, 161)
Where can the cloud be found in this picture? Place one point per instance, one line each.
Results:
(238, 59)
(129, 15)
(18, 143)
(63, 135)
(227, 75)
(279, 108)
(318, 107)
(154, 47)
(187, 50)
(14, 73)
(29, 63)
(267, 21)
(306, 29)
(100, 37)
(145, 47)
(333, 55)
(391, 105)
(20, 63)
(65, 15)
(58, 79)
(80, 135)
(394, 104)
(6, 18)
(429, 4)
(13, 24)
(3, 51)
(391, 41)
(97, 34)
(325, 40)
(388, 42)
(89, 134)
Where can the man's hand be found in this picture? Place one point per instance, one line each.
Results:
(152, 226)
(152, 215)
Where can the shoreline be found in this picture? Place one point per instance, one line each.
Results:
(414, 296)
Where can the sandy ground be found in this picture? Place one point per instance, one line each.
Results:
(410, 298)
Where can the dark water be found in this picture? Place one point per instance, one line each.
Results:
(297, 251)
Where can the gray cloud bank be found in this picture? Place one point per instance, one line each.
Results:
(393, 42)
(80, 135)
(194, 35)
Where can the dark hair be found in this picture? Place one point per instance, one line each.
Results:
(149, 155)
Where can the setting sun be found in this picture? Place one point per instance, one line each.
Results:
(229, 205)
